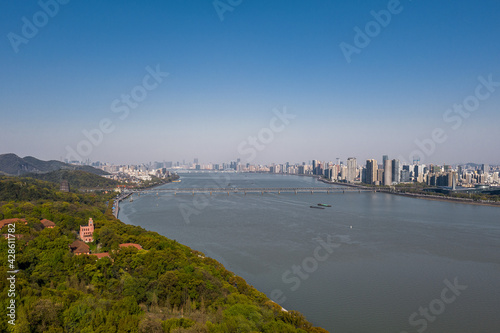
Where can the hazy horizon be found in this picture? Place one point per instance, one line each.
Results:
(318, 80)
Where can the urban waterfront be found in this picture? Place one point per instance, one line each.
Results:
(366, 264)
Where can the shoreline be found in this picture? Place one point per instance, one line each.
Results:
(124, 196)
(418, 195)
(447, 199)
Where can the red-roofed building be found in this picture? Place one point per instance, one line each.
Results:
(100, 255)
(87, 232)
(47, 224)
(78, 247)
(5, 222)
(137, 246)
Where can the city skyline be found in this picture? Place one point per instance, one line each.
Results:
(127, 83)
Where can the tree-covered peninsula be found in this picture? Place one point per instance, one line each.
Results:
(157, 286)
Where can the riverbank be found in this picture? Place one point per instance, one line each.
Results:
(123, 196)
(417, 195)
(448, 199)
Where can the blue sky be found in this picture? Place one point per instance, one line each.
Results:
(226, 76)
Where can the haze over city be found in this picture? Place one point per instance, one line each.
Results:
(351, 86)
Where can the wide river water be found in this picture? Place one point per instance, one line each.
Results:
(373, 262)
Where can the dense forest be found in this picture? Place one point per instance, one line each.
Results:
(164, 287)
(75, 178)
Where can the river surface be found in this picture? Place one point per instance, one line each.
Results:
(372, 262)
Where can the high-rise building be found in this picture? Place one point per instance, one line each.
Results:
(380, 177)
(196, 161)
(363, 175)
(315, 165)
(387, 172)
(384, 158)
(405, 176)
(343, 172)
(301, 169)
(351, 169)
(319, 169)
(418, 172)
(485, 168)
(395, 171)
(371, 171)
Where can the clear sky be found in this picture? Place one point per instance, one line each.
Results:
(230, 65)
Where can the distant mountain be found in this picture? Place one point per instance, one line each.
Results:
(13, 165)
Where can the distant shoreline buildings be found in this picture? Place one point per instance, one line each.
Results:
(390, 172)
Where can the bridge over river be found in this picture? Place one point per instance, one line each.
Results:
(260, 190)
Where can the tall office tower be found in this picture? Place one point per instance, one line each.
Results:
(371, 171)
(395, 171)
(328, 173)
(495, 177)
(301, 169)
(485, 168)
(380, 177)
(405, 176)
(319, 169)
(343, 172)
(384, 158)
(363, 175)
(351, 169)
(419, 173)
(387, 172)
(195, 161)
(315, 166)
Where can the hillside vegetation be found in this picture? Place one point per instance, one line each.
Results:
(11, 164)
(166, 287)
(76, 179)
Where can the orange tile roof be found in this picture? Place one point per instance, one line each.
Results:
(100, 255)
(47, 224)
(79, 247)
(3, 223)
(137, 246)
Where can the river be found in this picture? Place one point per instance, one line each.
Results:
(373, 262)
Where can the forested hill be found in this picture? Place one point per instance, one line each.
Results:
(163, 287)
(11, 164)
(75, 178)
